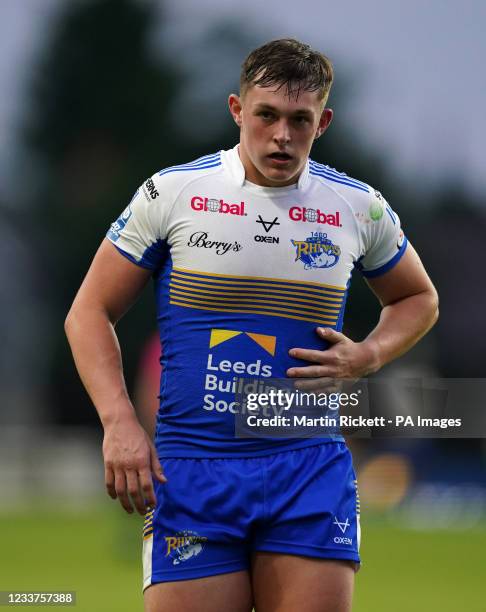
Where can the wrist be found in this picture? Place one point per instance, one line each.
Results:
(372, 359)
(118, 415)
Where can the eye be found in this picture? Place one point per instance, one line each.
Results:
(266, 115)
(301, 120)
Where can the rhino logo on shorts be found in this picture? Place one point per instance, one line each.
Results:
(184, 545)
(187, 552)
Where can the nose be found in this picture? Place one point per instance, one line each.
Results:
(282, 133)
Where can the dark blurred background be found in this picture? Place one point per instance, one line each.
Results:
(100, 94)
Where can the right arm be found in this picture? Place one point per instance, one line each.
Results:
(111, 286)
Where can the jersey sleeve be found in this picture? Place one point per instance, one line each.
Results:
(383, 240)
(140, 232)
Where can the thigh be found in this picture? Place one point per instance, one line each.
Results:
(312, 505)
(212, 594)
(199, 528)
(286, 583)
(200, 524)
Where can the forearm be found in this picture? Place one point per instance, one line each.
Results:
(400, 327)
(97, 355)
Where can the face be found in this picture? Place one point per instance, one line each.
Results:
(277, 132)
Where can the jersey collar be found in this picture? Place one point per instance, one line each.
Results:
(232, 164)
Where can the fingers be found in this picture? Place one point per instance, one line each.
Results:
(121, 490)
(155, 465)
(317, 371)
(130, 459)
(134, 486)
(330, 335)
(110, 482)
(147, 487)
(309, 355)
(326, 333)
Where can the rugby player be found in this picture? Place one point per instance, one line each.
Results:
(251, 251)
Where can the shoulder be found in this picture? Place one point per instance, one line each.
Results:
(360, 196)
(178, 176)
(339, 182)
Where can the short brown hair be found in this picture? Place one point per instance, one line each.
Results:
(287, 62)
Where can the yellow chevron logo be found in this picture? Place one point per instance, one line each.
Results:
(218, 336)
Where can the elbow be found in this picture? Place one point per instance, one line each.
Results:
(74, 319)
(84, 316)
(70, 321)
(434, 307)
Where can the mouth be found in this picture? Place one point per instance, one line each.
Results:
(280, 157)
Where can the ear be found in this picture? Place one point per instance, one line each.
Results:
(324, 122)
(235, 107)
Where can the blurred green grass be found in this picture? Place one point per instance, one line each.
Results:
(408, 570)
(97, 554)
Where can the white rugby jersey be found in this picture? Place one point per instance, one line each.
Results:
(242, 274)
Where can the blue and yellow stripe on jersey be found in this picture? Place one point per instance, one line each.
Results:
(300, 300)
(148, 527)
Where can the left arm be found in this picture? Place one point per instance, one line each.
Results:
(409, 310)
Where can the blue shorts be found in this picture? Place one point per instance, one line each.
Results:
(212, 514)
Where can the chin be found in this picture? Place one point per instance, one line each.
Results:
(284, 179)
(281, 176)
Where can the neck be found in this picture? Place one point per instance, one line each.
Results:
(253, 175)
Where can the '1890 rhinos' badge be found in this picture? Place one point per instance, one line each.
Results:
(184, 545)
(316, 251)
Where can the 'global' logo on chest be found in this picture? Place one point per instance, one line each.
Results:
(218, 206)
(314, 215)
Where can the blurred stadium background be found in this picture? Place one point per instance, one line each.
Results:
(97, 95)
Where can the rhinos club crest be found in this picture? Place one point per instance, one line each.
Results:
(316, 251)
(184, 545)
